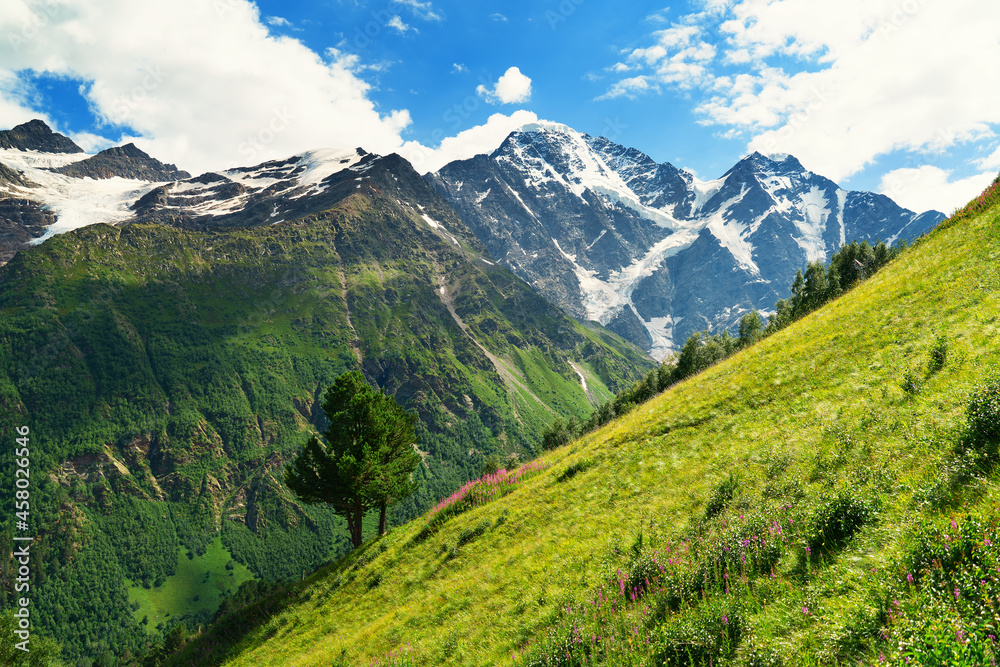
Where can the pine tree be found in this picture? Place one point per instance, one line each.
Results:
(688, 359)
(796, 301)
(368, 459)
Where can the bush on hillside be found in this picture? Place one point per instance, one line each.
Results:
(911, 383)
(709, 635)
(938, 355)
(983, 420)
(724, 492)
(836, 520)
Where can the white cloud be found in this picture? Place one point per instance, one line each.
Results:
(480, 139)
(991, 161)
(279, 22)
(206, 86)
(511, 88)
(631, 88)
(397, 23)
(928, 187)
(458, 68)
(497, 16)
(856, 79)
(422, 10)
(680, 57)
(90, 142)
(15, 102)
(203, 84)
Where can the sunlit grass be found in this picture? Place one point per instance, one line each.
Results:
(814, 413)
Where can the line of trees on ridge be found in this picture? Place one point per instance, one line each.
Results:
(815, 287)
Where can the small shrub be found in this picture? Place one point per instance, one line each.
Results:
(491, 466)
(982, 417)
(938, 355)
(947, 614)
(708, 636)
(862, 630)
(911, 384)
(473, 532)
(836, 520)
(776, 463)
(954, 475)
(574, 469)
(724, 493)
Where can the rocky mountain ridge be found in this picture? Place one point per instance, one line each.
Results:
(128, 162)
(647, 249)
(36, 135)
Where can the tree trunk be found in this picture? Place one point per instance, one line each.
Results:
(381, 520)
(355, 526)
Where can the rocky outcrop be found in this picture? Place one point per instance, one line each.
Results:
(35, 135)
(126, 161)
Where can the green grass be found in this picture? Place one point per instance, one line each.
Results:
(814, 413)
(203, 577)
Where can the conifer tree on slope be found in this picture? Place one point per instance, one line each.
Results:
(367, 459)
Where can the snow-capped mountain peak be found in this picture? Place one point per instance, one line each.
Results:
(273, 186)
(648, 249)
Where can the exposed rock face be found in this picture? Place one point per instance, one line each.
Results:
(647, 249)
(21, 220)
(35, 135)
(124, 162)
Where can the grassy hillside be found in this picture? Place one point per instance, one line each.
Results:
(815, 499)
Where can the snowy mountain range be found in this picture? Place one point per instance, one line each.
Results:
(49, 185)
(600, 230)
(647, 249)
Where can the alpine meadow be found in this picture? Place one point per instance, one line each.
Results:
(826, 496)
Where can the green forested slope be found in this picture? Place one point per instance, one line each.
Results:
(168, 374)
(826, 496)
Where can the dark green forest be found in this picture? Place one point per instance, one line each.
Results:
(168, 375)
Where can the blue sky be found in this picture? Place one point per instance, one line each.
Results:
(896, 96)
